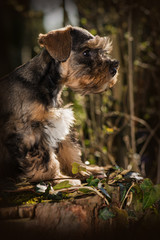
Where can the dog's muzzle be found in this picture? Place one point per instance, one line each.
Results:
(113, 66)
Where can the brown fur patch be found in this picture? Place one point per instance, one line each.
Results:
(98, 42)
(38, 112)
(37, 170)
(57, 42)
(68, 153)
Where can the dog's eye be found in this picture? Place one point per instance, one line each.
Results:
(87, 53)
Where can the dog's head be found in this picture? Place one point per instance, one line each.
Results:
(85, 65)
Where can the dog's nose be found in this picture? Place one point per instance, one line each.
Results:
(113, 67)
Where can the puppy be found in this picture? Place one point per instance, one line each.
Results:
(36, 136)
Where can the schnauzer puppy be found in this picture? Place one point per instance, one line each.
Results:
(36, 136)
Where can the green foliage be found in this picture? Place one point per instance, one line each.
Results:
(111, 29)
(151, 193)
(19, 198)
(106, 214)
(84, 190)
(83, 21)
(61, 185)
(92, 181)
(125, 194)
(93, 31)
(76, 168)
(101, 129)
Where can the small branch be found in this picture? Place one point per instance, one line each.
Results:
(158, 163)
(130, 81)
(80, 187)
(134, 118)
(148, 140)
(126, 195)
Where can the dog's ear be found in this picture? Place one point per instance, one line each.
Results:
(57, 42)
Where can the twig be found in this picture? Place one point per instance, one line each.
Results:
(126, 195)
(148, 140)
(130, 81)
(158, 163)
(134, 118)
(80, 187)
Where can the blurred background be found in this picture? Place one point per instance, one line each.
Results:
(121, 126)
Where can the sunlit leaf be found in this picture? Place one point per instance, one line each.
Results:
(75, 168)
(104, 149)
(93, 31)
(109, 130)
(61, 185)
(83, 21)
(86, 142)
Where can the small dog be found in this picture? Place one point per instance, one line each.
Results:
(36, 136)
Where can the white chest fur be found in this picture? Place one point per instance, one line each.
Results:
(58, 125)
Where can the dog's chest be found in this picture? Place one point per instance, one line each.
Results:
(58, 125)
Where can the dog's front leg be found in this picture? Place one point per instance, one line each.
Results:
(69, 153)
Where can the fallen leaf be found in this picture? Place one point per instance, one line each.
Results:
(106, 214)
(61, 185)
